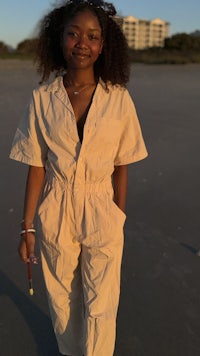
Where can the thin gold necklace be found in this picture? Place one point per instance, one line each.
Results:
(77, 92)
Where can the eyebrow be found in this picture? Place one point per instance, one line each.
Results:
(90, 29)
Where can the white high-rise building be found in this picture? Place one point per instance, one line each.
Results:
(141, 34)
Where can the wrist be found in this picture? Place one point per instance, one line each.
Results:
(27, 227)
(25, 232)
(27, 224)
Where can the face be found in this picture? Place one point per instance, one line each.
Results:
(82, 40)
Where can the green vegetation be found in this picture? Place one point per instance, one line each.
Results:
(164, 56)
(25, 50)
(178, 49)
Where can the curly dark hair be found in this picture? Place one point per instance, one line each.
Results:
(113, 63)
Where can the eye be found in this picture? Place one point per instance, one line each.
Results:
(93, 37)
(72, 34)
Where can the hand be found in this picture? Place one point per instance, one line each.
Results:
(26, 248)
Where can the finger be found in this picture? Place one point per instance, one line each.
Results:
(22, 250)
(24, 258)
(33, 259)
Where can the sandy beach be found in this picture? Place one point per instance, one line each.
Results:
(159, 313)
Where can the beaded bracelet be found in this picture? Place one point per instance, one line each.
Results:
(26, 231)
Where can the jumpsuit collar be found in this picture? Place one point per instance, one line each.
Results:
(57, 88)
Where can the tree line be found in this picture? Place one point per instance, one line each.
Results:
(183, 42)
(26, 47)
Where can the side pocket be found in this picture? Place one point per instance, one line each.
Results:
(119, 214)
(53, 257)
(50, 212)
(44, 197)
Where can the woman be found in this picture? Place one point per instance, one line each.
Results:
(78, 136)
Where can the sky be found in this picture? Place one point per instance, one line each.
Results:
(19, 18)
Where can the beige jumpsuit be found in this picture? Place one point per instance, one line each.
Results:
(80, 228)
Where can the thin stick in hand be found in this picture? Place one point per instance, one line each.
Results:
(31, 291)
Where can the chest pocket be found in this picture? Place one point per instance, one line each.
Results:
(108, 133)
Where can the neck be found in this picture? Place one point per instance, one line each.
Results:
(79, 78)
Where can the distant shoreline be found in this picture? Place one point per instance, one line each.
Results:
(28, 64)
(16, 63)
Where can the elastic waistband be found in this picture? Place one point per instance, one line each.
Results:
(99, 186)
(94, 187)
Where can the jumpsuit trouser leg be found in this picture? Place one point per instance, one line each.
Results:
(61, 269)
(101, 286)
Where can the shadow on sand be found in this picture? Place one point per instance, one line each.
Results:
(38, 323)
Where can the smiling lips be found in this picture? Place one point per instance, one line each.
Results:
(80, 55)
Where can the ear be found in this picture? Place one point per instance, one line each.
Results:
(101, 47)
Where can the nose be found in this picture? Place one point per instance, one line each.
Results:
(82, 42)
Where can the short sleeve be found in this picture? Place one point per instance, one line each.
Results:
(131, 145)
(29, 146)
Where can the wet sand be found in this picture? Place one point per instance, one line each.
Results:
(159, 312)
